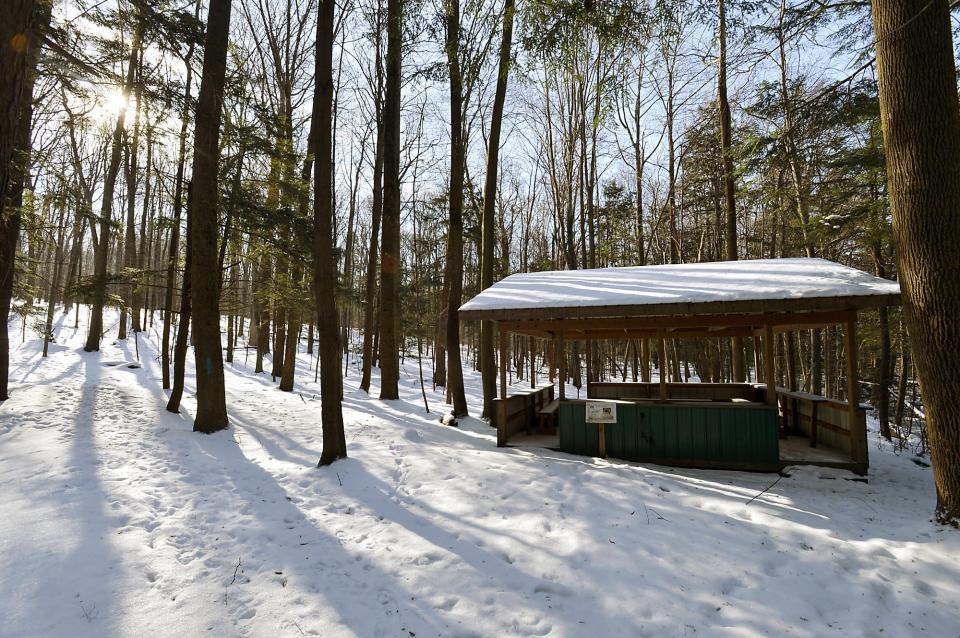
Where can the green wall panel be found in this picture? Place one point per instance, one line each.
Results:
(745, 435)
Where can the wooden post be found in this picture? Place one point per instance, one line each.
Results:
(562, 359)
(662, 355)
(503, 364)
(769, 363)
(858, 427)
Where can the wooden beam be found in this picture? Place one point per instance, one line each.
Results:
(769, 365)
(809, 321)
(683, 333)
(618, 327)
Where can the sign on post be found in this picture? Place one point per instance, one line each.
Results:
(601, 412)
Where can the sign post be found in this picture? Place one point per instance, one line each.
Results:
(601, 413)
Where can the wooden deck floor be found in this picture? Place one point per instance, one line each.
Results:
(549, 441)
(796, 450)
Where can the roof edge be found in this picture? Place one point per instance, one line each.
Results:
(742, 306)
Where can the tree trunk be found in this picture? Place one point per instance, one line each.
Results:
(139, 298)
(102, 247)
(487, 358)
(174, 248)
(370, 299)
(130, 235)
(455, 229)
(211, 400)
(390, 259)
(54, 285)
(183, 325)
(921, 131)
(729, 187)
(294, 315)
(324, 266)
(18, 56)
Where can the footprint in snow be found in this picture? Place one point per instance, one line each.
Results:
(728, 585)
(427, 559)
(924, 588)
(446, 604)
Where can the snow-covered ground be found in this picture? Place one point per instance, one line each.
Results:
(117, 520)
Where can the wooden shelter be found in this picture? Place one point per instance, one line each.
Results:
(725, 425)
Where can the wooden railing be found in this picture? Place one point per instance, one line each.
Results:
(827, 422)
(689, 391)
(519, 411)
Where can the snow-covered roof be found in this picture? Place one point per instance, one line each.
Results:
(760, 285)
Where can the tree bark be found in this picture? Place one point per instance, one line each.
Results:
(390, 259)
(729, 187)
(455, 228)
(921, 130)
(202, 210)
(183, 325)
(487, 357)
(174, 248)
(324, 266)
(370, 300)
(18, 55)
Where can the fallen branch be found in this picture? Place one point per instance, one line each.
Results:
(764, 491)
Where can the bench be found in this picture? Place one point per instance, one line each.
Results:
(547, 417)
(518, 412)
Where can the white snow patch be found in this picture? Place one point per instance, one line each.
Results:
(119, 521)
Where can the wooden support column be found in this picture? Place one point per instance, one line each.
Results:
(662, 356)
(769, 364)
(562, 360)
(858, 426)
(503, 364)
